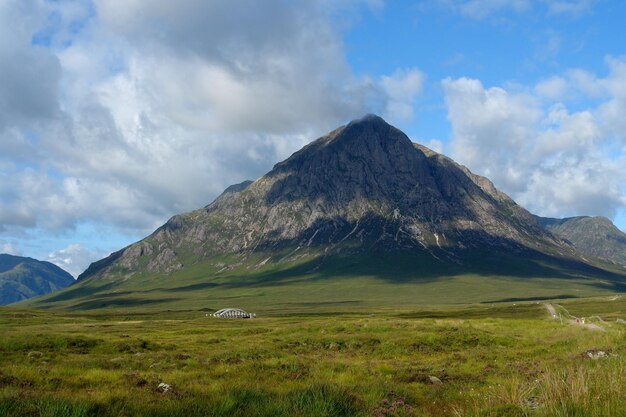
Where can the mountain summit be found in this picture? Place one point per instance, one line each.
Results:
(361, 201)
(363, 187)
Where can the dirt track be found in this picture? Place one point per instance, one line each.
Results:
(574, 320)
(551, 310)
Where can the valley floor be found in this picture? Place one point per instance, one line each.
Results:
(484, 360)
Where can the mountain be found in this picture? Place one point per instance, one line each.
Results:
(360, 215)
(592, 236)
(22, 278)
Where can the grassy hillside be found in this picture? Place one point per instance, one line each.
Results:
(360, 281)
(508, 359)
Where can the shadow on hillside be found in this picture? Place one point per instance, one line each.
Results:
(104, 302)
(419, 266)
(193, 287)
(522, 299)
(77, 290)
(382, 253)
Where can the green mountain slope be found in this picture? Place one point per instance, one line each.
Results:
(361, 215)
(592, 236)
(22, 278)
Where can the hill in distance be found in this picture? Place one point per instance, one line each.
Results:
(361, 216)
(592, 236)
(22, 278)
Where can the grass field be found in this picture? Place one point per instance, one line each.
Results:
(503, 359)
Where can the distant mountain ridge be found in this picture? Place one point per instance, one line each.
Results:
(592, 236)
(22, 278)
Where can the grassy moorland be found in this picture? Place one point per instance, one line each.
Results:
(500, 359)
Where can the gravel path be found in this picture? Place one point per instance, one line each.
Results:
(575, 320)
(551, 310)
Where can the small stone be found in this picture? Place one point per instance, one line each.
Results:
(164, 388)
(595, 354)
(434, 380)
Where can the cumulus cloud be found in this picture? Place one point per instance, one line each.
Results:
(131, 111)
(402, 88)
(551, 160)
(29, 74)
(609, 91)
(223, 65)
(74, 258)
(553, 88)
(612, 111)
(499, 121)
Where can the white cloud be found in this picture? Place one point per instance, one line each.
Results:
(553, 88)
(74, 258)
(29, 74)
(152, 108)
(584, 82)
(499, 121)
(614, 85)
(552, 161)
(402, 87)
(610, 91)
(10, 249)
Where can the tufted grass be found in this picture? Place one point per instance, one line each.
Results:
(492, 360)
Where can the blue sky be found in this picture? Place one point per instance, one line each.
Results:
(500, 47)
(117, 114)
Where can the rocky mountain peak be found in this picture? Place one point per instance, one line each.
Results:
(362, 187)
(369, 136)
(367, 158)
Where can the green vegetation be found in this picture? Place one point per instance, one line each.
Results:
(503, 359)
(264, 282)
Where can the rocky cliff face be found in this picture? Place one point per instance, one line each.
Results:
(22, 278)
(363, 187)
(592, 236)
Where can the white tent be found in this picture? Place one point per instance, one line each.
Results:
(233, 313)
